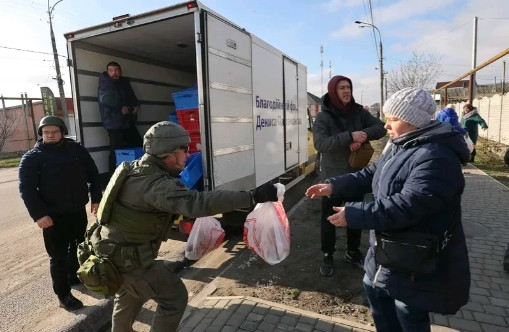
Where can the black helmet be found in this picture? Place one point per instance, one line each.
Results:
(52, 120)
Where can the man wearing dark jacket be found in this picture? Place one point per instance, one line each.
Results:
(340, 128)
(119, 110)
(54, 179)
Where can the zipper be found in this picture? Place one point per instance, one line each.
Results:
(403, 243)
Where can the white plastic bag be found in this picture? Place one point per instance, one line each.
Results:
(206, 235)
(267, 231)
(469, 142)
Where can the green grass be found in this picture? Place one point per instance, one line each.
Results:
(9, 162)
(490, 160)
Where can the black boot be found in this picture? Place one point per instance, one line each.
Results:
(70, 303)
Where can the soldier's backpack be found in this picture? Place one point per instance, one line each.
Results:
(97, 272)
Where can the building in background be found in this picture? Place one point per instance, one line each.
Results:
(27, 119)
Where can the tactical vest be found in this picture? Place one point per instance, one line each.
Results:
(142, 231)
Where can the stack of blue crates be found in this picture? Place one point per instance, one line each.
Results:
(186, 99)
(128, 155)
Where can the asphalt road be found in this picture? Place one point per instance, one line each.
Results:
(27, 301)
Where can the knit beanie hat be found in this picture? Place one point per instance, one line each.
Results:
(411, 105)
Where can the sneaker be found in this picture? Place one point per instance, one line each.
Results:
(355, 257)
(70, 303)
(506, 260)
(327, 267)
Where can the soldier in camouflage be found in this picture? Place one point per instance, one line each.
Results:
(140, 218)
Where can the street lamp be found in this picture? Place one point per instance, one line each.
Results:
(365, 25)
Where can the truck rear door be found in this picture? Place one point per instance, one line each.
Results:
(228, 105)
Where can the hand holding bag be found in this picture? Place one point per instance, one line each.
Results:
(361, 157)
(267, 231)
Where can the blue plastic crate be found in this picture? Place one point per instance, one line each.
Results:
(173, 118)
(186, 99)
(128, 155)
(193, 172)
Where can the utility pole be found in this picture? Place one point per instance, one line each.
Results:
(330, 69)
(471, 87)
(321, 68)
(503, 80)
(60, 82)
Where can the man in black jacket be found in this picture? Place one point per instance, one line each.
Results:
(54, 179)
(119, 110)
(341, 127)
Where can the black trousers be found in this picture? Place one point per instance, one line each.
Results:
(121, 139)
(328, 230)
(61, 241)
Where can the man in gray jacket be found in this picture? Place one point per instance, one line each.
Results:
(340, 128)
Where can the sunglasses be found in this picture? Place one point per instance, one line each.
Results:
(184, 148)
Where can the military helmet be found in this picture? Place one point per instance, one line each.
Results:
(52, 120)
(164, 137)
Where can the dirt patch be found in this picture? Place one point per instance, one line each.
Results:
(296, 281)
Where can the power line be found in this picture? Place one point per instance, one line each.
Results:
(30, 51)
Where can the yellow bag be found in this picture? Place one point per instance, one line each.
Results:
(361, 157)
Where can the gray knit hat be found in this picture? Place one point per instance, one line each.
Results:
(164, 137)
(411, 105)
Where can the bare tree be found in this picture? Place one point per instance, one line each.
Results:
(8, 124)
(421, 71)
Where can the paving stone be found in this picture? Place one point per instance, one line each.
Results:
(249, 326)
(480, 291)
(490, 319)
(324, 326)
(467, 314)
(266, 326)
(308, 320)
(499, 302)
(261, 309)
(303, 327)
(493, 328)
(289, 320)
(274, 319)
(465, 325)
(340, 328)
(441, 320)
(479, 299)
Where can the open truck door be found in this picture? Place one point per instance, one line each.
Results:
(229, 101)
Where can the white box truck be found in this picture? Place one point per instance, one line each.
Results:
(252, 98)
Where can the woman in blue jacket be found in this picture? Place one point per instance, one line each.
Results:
(417, 183)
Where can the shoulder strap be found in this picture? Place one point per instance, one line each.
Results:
(111, 193)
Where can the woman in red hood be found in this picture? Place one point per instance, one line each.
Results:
(340, 128)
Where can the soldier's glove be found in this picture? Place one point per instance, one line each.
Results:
(265, 193)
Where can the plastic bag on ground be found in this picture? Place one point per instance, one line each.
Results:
(206, 235)
(267, 231)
